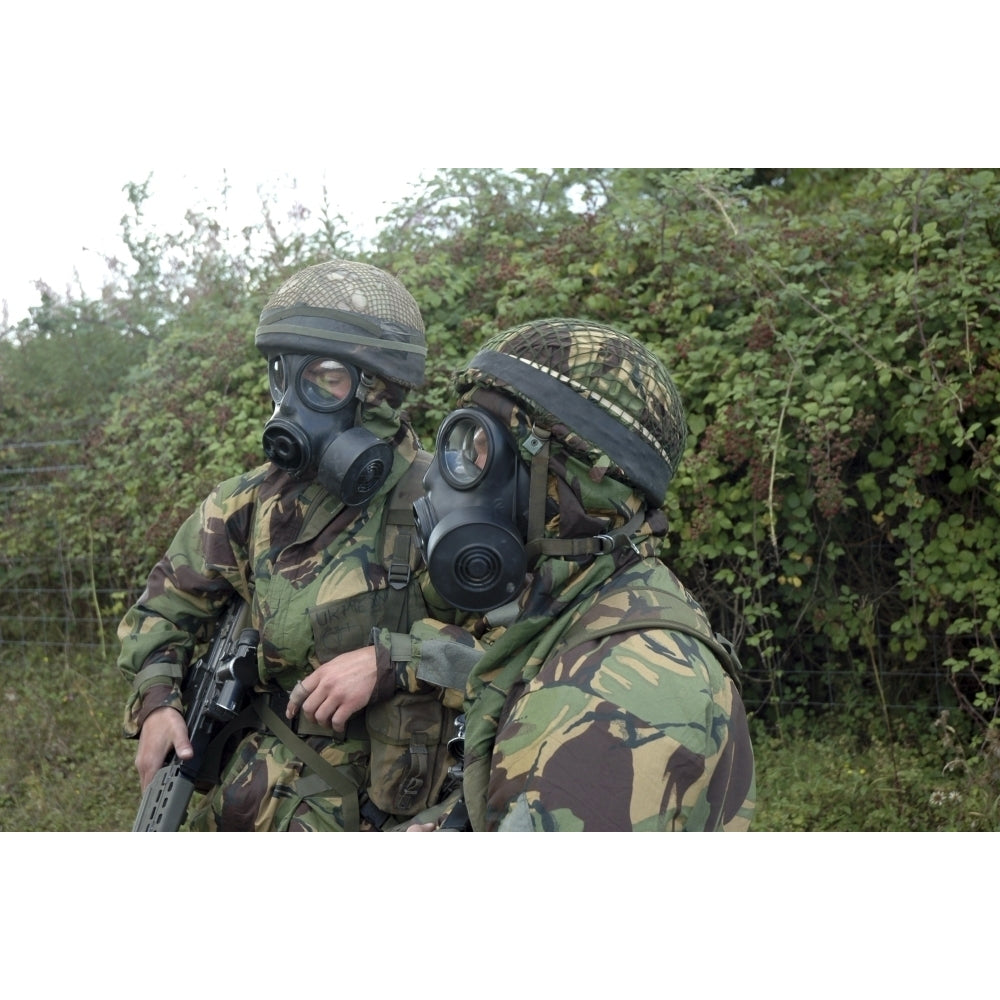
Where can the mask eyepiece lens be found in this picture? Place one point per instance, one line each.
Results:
(326, 384)
(466, 451)
(276, 378)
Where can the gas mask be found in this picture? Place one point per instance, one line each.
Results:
(312, 432)
(471, 526)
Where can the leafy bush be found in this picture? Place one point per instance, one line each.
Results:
(834, 334)
(835, 338)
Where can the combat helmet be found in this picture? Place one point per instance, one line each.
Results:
(599, 391)
(353, 312)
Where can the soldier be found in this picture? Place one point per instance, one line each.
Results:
(603, 700)
(318, 541)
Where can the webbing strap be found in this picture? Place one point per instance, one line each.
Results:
(399, 513)
(605, 544)
(416, 775)
(724, 655)
(538, 485)
(442, 662)
(211, 767)
(335, 781)
(260, 711)
(431, 813)
(161, 668)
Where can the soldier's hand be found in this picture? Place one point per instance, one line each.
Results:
(337, 689)
(164, 730)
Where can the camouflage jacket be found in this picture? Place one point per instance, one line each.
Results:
(602, 716)
(312, 569)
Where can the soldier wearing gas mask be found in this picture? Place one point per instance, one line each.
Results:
(319, 542)
(603, 699)
(323, 363)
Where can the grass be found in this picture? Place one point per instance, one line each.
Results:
(845, 772)
(64, 765)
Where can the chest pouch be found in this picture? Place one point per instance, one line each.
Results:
(410, 758)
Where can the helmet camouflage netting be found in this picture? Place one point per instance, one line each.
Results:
(600, 391)
(354, 312)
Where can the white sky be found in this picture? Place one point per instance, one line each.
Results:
(58, 225)
(95, 95)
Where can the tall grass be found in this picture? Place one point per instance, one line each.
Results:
(64, 765)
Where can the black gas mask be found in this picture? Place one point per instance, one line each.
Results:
(471, 526)
(312, 432)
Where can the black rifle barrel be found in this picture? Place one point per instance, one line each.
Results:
(215, 688)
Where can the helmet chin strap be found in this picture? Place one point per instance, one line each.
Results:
(537, 443)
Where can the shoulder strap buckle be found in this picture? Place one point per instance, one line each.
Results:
(399, 575)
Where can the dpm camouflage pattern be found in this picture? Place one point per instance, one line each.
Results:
(615, 722)
(593, 706)
(266, 789)
(295, 552)
(314, 574)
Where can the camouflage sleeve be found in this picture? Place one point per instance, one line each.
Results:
(184, 595)
(432, 654)
(636, 731)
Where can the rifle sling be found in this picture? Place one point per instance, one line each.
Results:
(260, 711)
(336, 781)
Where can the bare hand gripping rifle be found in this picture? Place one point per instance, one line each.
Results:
(214, 691)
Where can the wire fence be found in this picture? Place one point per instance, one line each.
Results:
(36, 616)
(50, 604)
(53, 605)
(80, 617)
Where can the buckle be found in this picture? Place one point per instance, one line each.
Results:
(605, 544)
(399, 575)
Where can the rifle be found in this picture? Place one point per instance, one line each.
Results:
(214, 691)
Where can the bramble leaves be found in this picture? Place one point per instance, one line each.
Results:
(835, 336)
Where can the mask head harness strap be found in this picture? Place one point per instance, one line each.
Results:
(537, 443)
(599, 545)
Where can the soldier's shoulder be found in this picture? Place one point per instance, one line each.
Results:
(264, 479)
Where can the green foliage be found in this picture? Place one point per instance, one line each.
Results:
(57, 367)
(64, 766)
(463, 246)
(835, 336)
(126, 410)
(844, 772)
(189, 418)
